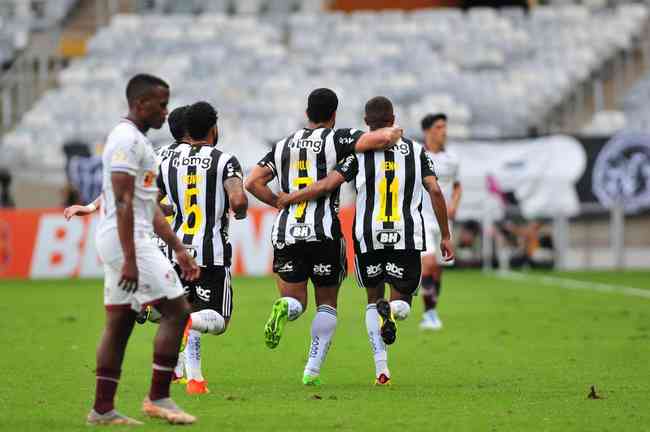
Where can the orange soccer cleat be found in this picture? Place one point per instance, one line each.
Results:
(195, 387)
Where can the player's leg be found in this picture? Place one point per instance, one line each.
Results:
(288, 264)
(369, 270)
(120, 319)
(110, 353)
(431, 278)
(328, 265)
(160, 286)
(212, 305)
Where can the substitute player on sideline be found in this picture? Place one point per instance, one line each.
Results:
(447, 165)
(306, 237)
(136, 272)
(204, 184)
(388, 226)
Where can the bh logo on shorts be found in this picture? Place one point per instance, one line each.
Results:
(203, 293)
(323, 269)
(373, 270)
(393, 270)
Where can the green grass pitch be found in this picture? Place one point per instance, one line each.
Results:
(513, 356)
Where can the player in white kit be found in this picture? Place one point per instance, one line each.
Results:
(136, 272)
(446, 166)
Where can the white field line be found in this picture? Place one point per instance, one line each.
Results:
(574, 284)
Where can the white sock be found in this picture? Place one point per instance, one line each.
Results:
(193, 356)
(322, 330)
(401, 309)
(295, 308)
(376, 342)
(179, 370)
(208, 321)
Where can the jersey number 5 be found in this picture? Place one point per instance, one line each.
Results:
(297, 182)
(191, 209)
(384, 190)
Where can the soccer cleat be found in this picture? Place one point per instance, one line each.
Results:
(179, 379)
(430, 321)
(388, 327)
(143, 315)
(186, 334)
(166, 409)
(382, 380)
(110, 418)
(311, 380)
(195, 387)
(275, 324)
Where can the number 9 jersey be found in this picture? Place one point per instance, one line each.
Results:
(193, 179)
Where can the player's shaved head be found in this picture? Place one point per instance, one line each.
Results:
(141, 85)
(176, 122)
(321, 105)
(379, 112)
(200, 118)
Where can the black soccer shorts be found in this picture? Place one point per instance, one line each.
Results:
(399, 268)
(212, 290)
(324, 262)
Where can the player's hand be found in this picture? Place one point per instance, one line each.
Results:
(447, 249)
(74, 210)
(451, 213)
(241, 215)
(283, 200)
(190, 270)
(395, 133)
(129, 280)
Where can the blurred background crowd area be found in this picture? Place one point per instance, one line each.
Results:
(547, 100)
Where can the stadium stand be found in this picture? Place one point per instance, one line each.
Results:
(481, 67)
(19, 17)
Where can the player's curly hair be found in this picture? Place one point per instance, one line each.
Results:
(199, 119)
(176, 122)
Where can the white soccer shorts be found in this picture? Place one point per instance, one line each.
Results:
(433, 237)
(157, 277)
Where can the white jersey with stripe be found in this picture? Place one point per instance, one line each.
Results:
(302, 158)
(129, 151)
(193, 179)
(390, 190)
(447, 167)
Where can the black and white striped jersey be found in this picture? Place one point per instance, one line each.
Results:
(193, 179)
(302, 158)
(390, 190)
(163, 153)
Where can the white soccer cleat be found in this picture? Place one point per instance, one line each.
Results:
(430, 321)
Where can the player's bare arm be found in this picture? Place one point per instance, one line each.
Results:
(124, 187)
(79, 210)
(257, 184)
(379, 139)
(440, 209)
(455, 200)
(236, 196)
(189, 268)
(315, 190)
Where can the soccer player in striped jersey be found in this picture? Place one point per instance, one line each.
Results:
(447, 165)
(204, 184)
(307, 237)
(388, 225)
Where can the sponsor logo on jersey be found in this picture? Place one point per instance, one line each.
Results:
(323, 269)
(402, 147)
(347, 163)
(388, 237)
(373, 270)
(394, 270)
(310, 144)
(204, 162)
(300, 231)
(149, 178)
(203, 293)
(346, 140)
(286, 268)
